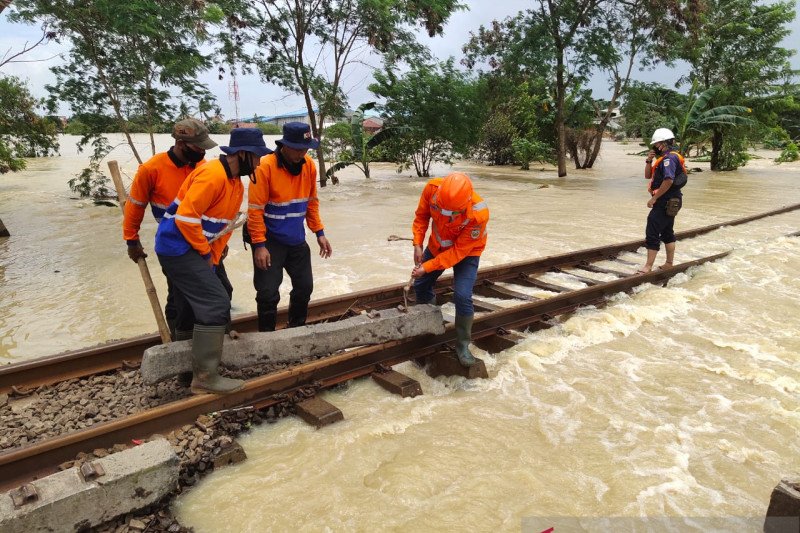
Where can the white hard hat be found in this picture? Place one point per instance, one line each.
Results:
(662, 134)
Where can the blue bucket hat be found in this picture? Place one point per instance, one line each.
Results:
(297, 135)
(248, 140)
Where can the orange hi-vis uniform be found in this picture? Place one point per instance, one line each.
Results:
(279, 202)
(156, 182)
(206, 203)
(454, 235)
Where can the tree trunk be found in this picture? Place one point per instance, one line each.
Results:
(716, 148)
(598, 140)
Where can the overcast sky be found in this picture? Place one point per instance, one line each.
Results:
(263, 99)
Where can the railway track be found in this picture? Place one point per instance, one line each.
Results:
(117, 354)
(532, 303)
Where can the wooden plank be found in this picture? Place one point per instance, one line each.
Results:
(492, 289)
(589, 281)
(318, 412)
(482, 305)
(602, 270)
(498, 342)
(398, 383)
(446, 364)
(534, 282)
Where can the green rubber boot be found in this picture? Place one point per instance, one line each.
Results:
(206, 355)
(184, 378)
(463, 337)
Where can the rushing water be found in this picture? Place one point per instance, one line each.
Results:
(677, 401)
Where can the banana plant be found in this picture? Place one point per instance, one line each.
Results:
(696, 125)
(361, 144)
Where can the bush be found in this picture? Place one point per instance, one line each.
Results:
(526, 150)
(788, 154)
(268, 128)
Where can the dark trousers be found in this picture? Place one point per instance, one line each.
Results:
(296, 260)
(171, 310)
(199, 296)
(660, 228)
(464, 274)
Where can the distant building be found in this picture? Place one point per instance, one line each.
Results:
(373, 125)
(302, 116)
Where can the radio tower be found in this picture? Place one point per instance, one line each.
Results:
(233, 94)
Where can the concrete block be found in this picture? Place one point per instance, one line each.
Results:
(398, 383)
(318, 412)
(166, 360)
(783, 513)
(446, 364)
(131, 479)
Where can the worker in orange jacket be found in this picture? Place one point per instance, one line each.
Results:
(206, 204)
(458, 217)
(281, 201)
(157, 182)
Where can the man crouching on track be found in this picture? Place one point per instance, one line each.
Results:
(207, 201)
(458, 237)
(667, 175)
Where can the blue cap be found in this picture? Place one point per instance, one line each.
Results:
(297, 135)
(248, 140)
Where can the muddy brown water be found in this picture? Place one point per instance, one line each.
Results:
(677, 401)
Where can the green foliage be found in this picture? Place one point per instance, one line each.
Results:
(733, 151)
(23, 133)
(526, 150)
(775, 138)
(338, 140)
(294, 35)
(268, 128)
(497, 137)
(739, 52)
(436, 108)
(789, 153)
(92, 182)
(649, 106)
(219, 127)
(356, 145)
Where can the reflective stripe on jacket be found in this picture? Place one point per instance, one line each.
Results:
(278, 203)
(157, 182)
(207, 201)
(454, 236)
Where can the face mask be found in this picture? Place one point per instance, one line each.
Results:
(246, 166)
(191, 156)
(657, 150)
(294, 168)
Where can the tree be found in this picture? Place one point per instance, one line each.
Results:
(649, 106)
(360, 144)
(436, 107)
(23, 133)
(309, 46)
(126, 57)
(559, 44)
(738, 50)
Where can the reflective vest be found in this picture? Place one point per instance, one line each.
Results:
(279, 204)
(157, 182)
(678, 184)
(454, 236)
(206, 203)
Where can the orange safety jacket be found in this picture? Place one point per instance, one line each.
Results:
(156, 182)
(206, 203)
(278, 203)
(654, 166)
(454, 236)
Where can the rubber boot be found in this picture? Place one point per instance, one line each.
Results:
(463, 337)
(206, 355)
(184, 378)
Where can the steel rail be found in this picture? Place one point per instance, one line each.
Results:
(112, 355)
(20, 465)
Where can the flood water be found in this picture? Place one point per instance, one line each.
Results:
(678, 401)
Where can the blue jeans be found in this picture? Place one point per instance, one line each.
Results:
(464, 274)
